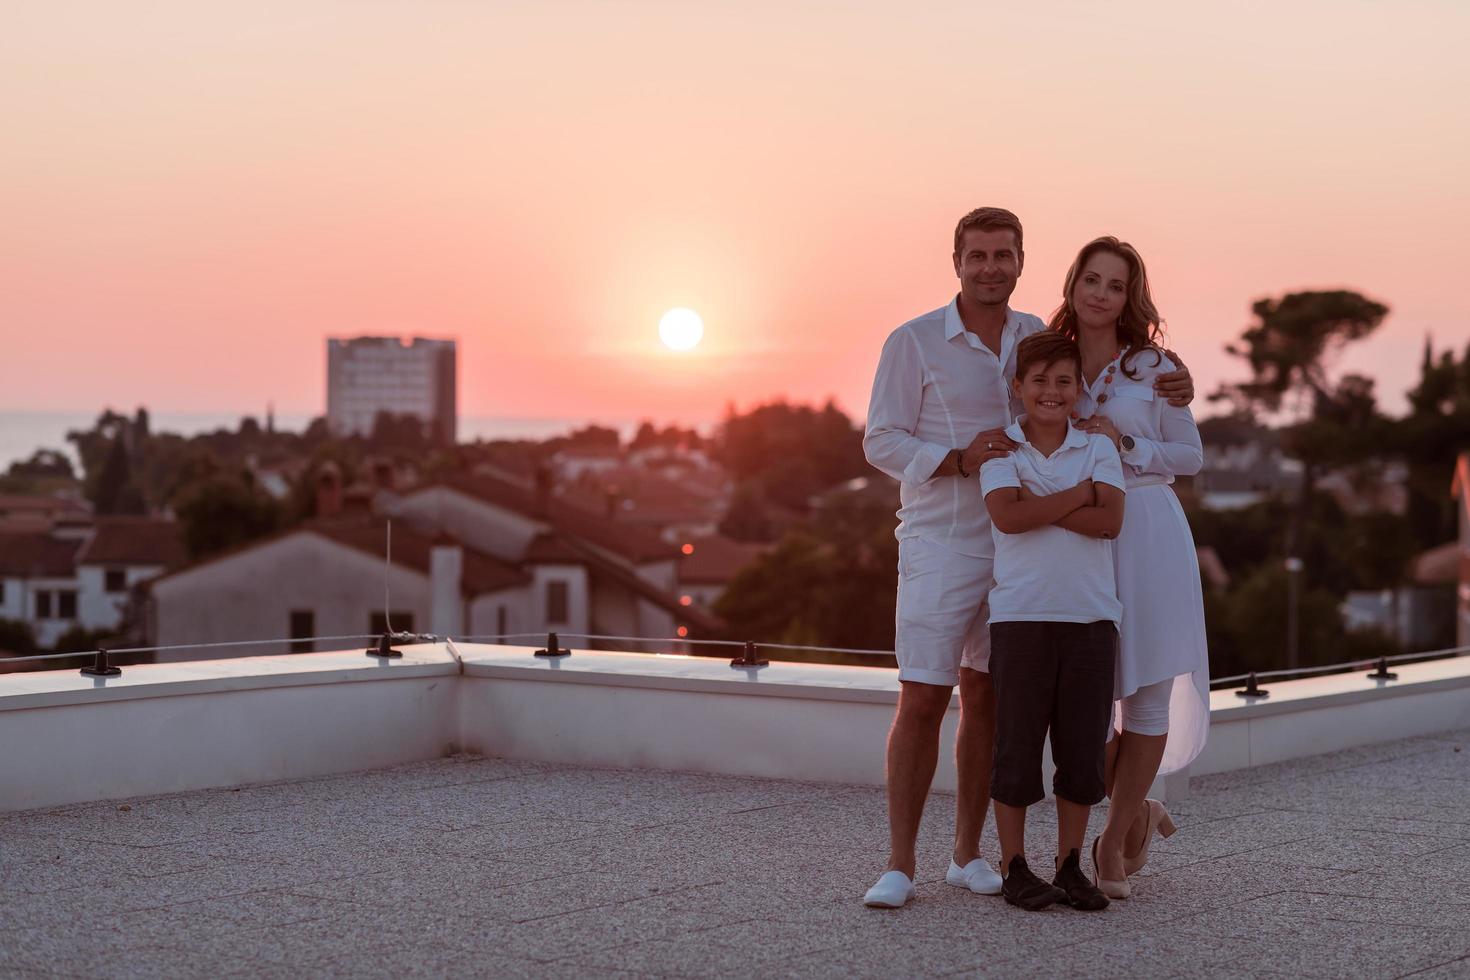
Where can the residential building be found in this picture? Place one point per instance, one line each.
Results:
(470, 556)
(1416, 617)
(370, 375)
(710, 564)
(1377, 485)
(36, 512)
(676, 510)
(1240, 475)
(1243, 467)
(589, 574)
(329, 577)
(38, 582)
(121, 554)
(77, 575)
(575, 462)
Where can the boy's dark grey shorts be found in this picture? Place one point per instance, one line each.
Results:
(1056, 676)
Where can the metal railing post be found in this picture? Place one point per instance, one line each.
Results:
(750, 657)
(100, 667)
(1252, 689)
(384, 648)
(1382, 673)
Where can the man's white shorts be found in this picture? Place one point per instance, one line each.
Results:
(943, 620)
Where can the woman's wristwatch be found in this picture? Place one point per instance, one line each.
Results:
(1128, 443)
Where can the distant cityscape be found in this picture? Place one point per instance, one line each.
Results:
(770, 526)
(499, 547)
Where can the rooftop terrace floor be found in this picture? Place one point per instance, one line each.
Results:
(1355, 863)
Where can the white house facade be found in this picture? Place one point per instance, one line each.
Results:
(82, 576)
(477, 557)
(329, 578)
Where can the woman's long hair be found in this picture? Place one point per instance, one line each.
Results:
(1140, 328)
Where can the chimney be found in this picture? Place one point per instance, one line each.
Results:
(446, 570)
(328, 490)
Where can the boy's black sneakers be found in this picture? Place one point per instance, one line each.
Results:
(1024, 889)
(1078, 891)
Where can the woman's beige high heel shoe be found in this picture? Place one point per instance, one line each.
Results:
(1158, 820)
(1112, 889)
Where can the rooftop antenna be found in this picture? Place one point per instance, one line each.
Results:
(385, 642)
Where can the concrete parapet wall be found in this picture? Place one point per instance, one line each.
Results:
(181, 726)
(1339, 711)
(165, 728)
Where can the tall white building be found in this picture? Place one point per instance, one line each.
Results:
(368, 375)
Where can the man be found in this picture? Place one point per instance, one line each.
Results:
(940, 405)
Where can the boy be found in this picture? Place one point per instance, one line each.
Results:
(1055, 503)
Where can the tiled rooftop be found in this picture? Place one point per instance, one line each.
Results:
(122, 540)
(1355, 863)
(28, 554)
(634, 543)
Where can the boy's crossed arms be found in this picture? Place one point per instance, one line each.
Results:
(1091, 509)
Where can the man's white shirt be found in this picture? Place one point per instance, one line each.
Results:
(936, 387)
(1050, 574)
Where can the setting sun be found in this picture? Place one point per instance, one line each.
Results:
(680, 329)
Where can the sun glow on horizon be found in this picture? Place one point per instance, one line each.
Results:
(681, 329)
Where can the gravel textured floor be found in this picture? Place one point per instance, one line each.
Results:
(1350, 864)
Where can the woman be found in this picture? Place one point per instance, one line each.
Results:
(1162, 713)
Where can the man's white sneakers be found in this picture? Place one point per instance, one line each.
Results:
(978, 876)
(892, 891)
(895, 889)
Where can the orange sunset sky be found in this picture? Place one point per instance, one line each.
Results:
(196, 194)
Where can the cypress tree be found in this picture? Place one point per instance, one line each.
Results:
(116, 493)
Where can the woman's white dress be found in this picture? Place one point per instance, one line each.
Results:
(1163, 629)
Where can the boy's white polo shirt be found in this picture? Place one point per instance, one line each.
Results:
(1050, 574)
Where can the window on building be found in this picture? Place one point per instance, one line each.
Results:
(402, 622)
(303, 624)
(116, 580)
(66, 603)
(556, 603)
(43, 604)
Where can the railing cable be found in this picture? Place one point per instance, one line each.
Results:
(30, 658)
(501, 637)
(1343, 667)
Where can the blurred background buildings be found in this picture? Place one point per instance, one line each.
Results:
(413, 378)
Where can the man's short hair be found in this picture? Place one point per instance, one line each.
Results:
(1045, 348)
(987, 219)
